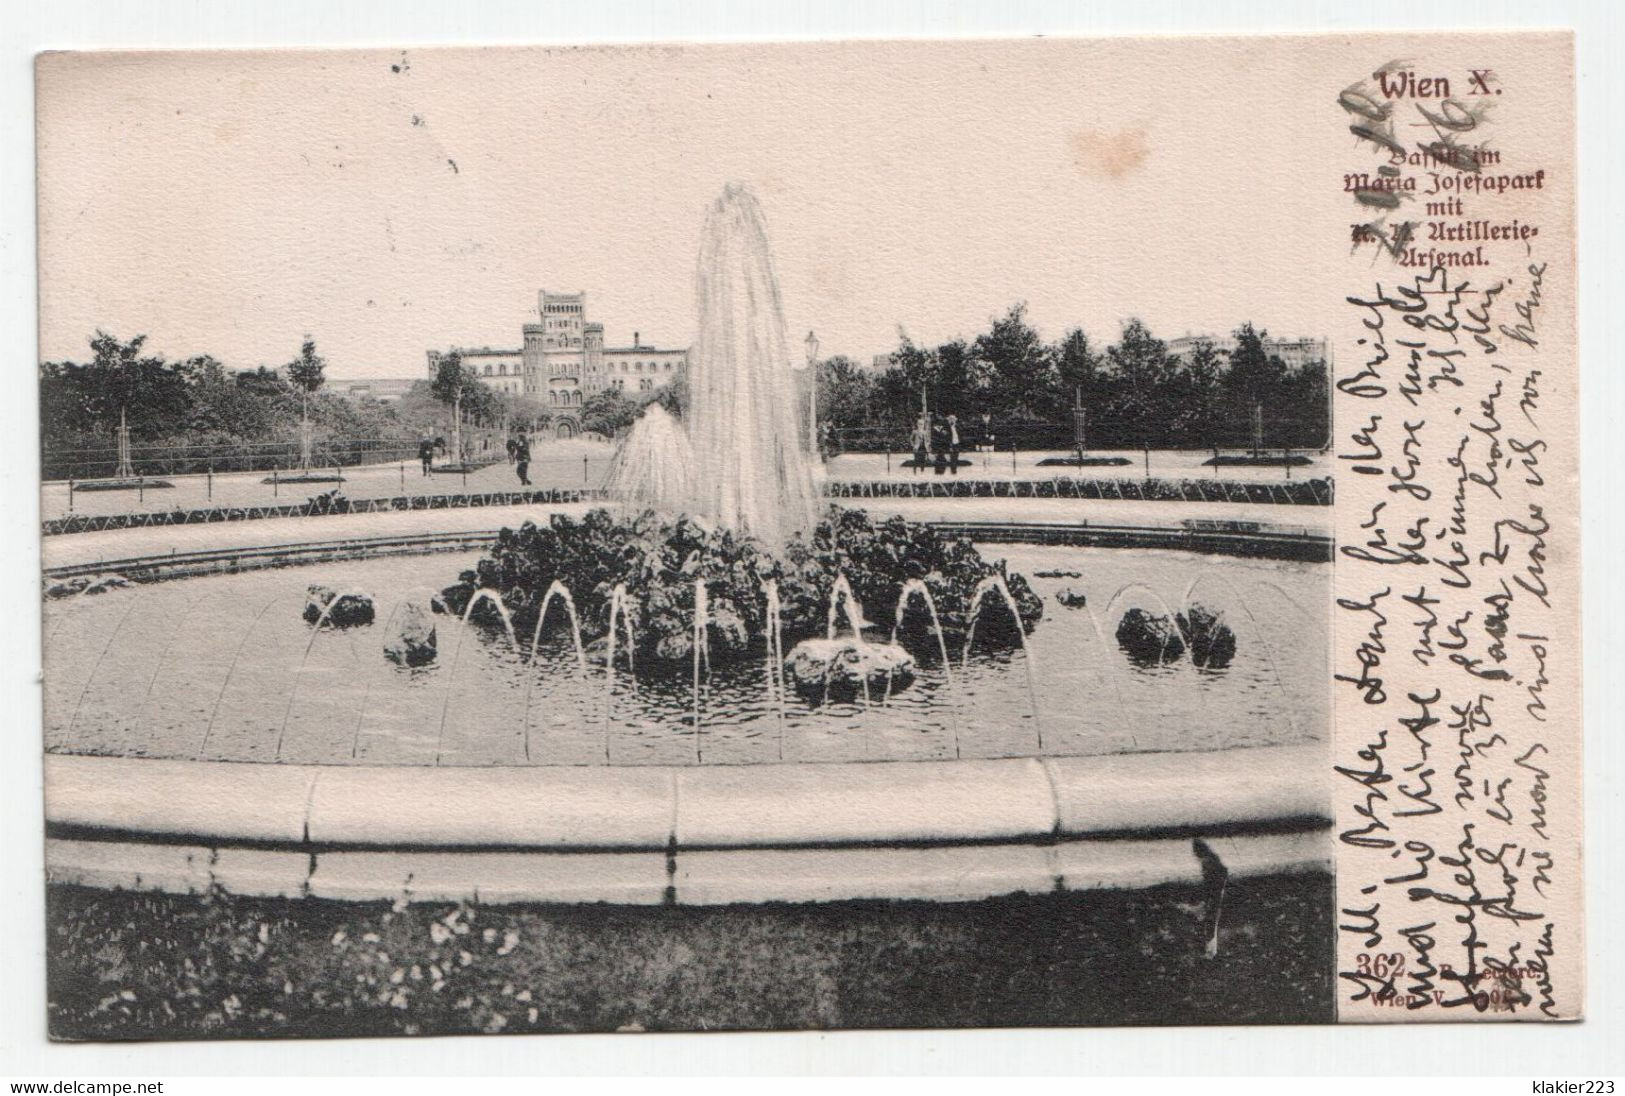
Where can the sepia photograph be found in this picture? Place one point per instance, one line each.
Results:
(704, 537)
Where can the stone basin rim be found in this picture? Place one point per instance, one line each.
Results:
(794, 804)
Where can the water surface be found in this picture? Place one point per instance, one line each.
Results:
(224, 668)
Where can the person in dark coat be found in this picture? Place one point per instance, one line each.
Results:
(939, 444)
(426, 454)
(521, 456)
(953, 444)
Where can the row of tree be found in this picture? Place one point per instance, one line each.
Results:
(199, 402)
(1134, 392)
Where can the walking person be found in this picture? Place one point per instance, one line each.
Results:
(521, 456)
(513, 448)
(426, 454)
(939, 445)
(953, 445)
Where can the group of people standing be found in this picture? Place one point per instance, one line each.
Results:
(518, 454)
(939, 439)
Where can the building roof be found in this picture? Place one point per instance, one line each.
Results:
(465, 351)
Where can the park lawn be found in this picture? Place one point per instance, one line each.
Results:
(128, 965)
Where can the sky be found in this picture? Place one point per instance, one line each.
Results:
(386, 203)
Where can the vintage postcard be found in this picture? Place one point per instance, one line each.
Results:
(823, 535)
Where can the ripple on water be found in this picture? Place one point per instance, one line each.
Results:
(224, 668)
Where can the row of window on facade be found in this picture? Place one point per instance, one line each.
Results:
(560, 368)
(571, 368)
(572, 397)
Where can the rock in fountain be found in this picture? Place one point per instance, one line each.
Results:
(843, 666)
(1071, 598)
(847, 666)
(1212, 642)
(413, 641)
(340, 610)
(726, 633)
(1149, 638)
(651, 468)
(751, 471)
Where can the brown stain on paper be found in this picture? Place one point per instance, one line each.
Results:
(1113, 155)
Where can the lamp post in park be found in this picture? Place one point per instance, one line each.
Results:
(812, 394)
(1078, 422)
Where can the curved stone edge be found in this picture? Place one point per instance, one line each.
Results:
(947, 873)
(947, 830)
(174, 564)
(657, 807)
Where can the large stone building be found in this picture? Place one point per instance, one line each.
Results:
(1294, 353)
(501, 370)
(563, 361)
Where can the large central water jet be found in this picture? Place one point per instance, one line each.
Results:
(749, 470)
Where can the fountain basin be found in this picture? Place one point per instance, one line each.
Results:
(241, 676)
(846, 801)
(959, 830)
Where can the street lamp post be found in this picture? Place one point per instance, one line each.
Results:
(1078, 422)
(812, 399)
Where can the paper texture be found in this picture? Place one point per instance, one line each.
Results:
(1459, 877)
(1147, 593)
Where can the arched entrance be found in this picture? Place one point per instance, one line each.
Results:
(565, 428)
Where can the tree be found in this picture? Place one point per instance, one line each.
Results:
(952, 378)
(1080, 374)
(1077, 366)
(845, 393)
(1203, 375)
(896, 401)
(450, 378)
(306, 372)
(525, 410)
(122, 382)
(914, 365)
(224, 407)
(673, 396)
(451, 381)
(1303, 415)
(961, 379)
(609, 411)
(1254, 383)
(1021, 366)
(1254, 373)
(1139, 408)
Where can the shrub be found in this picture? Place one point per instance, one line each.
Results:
(661, 559)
